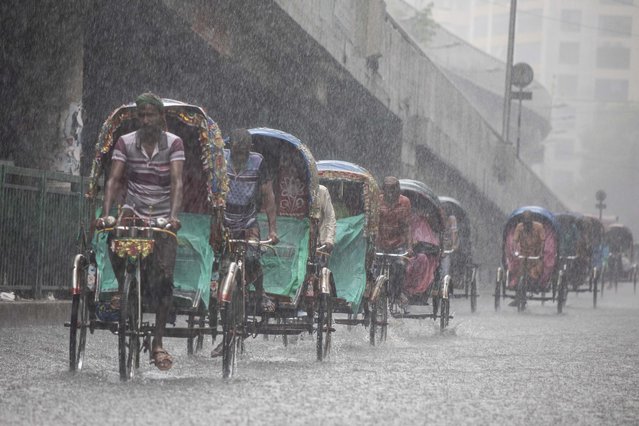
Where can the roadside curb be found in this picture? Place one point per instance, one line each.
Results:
(34, 312)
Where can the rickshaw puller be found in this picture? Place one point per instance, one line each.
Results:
(152, 161)
(529, 236)
(249, 185)
(394, 230)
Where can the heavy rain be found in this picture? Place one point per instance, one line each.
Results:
(335, 212)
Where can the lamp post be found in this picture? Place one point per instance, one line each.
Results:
(600, 196)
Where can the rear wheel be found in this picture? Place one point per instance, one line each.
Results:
(232, 314)
(562, 294)
(498, 289)
(379, 317)
(473, 294)
(324, 327)
(595, 280)
(444, 307)
(128, 329)
(78, 330)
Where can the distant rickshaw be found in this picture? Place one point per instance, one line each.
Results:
(422, 282)
(463, 271)
(355, 193)
(621, 265)
(578, 239)
(293, 274)
(516, 278)
(94, 283)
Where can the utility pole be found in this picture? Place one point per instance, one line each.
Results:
(509, 66)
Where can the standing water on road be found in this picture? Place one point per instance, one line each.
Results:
(488, 368)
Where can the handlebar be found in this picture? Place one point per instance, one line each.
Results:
(393, 255)
(522, 257)
(147, 228)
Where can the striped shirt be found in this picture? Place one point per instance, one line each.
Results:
(148, 178)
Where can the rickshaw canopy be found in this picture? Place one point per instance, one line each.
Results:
(426, 199)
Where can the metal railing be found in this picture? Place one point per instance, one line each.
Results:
(40, 216)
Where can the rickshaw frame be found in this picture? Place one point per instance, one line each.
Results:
(374, 297)
(86, 288)
(240, 316)
(523, 292)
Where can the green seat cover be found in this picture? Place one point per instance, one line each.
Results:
(347, 262)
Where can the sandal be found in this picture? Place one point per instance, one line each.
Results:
(162, 360)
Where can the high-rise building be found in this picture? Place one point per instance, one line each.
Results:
(586, 52)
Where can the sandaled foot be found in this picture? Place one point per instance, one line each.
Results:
(162, 360)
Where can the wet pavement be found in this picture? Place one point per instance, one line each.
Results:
(581, 367)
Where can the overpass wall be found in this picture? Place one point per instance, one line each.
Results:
(434, 113)
(445, 142)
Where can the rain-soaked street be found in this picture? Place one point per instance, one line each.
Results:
(489, 368)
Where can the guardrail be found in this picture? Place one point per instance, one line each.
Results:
(40, 216)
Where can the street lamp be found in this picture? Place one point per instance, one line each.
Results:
(600, 196)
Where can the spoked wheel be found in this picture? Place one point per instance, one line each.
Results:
(444, 305)
(498, 288)
(232, 314)
(284, 336)
(634, 279)
(562, 295)
(78, 330)
(324, 327)
(379, 317)
(128, 329)
(473, 294)
(595, 281)
(521, 294)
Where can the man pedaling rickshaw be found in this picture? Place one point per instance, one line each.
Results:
(394, 231)
(529, 236)
(249, 186)
(152, 161)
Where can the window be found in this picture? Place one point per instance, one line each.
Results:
(500, 24)
(615, 26)
(613, 57)
(570, 20)
(567, 85)
(529, 21)
(569, 53)
(619, 2)
(611, 90)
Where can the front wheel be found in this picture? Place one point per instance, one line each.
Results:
(562, 295)
(521, 294)
(595, 281)
(379, 317)
(324, 327)
(78, 330)
(128, 329)
(232, 314)
(473, 294)
(444, 306)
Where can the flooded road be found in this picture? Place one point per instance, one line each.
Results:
(538, 367)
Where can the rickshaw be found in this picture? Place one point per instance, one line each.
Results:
(514, 277)
(463, 271)
(94, 284)
(355, 196)
(292, 272)
(578, 240)
(422, 280)
(621, 266)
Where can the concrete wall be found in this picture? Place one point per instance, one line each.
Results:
(445, 141)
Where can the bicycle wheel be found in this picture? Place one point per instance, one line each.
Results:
(444, 306)
(324, 327)
(195, 340)
(562, 295)
(232, 313)
(595, 282)
(78, 330)
(128, 329)
(498, 289)
(379, 317)
(473, 294)
(521, 294)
